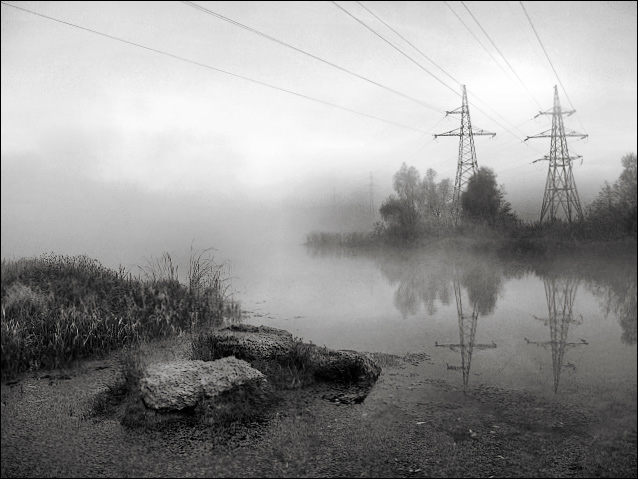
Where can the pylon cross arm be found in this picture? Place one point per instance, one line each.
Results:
(482, 132)
(551, 112)
(575, 133)
(542, 134)
(456, 132)
(544, 158)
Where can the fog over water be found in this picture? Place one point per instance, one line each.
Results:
(396, 302)
(567, 328)
(122, 154)
(118, 150)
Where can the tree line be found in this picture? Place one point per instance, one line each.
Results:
(424, 206)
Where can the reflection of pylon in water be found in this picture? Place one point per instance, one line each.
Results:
(560, 296)
(467, 333)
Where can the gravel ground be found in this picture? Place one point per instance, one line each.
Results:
(409, 426)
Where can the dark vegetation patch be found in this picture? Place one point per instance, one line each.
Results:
(423, 212)
(59, 309)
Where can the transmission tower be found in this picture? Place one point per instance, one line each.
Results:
(467, 333)
(560, 294)
(561, 194)
(467, 164)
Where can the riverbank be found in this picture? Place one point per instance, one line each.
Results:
(526, 243)
(412, 424)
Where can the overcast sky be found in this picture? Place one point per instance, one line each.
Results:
(96, 131)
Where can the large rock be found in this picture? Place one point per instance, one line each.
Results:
(252, 342)
(262, 342)
(175, 385)
(342, 365)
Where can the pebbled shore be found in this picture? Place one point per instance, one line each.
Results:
(409, 426)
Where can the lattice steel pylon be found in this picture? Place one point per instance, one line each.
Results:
(560, 295)
(560, 187)
(467, 164)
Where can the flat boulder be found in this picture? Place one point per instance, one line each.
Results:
(342, 366)
(252, 342)
(180, 384)
(348, 368)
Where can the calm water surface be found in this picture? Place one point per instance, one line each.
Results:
(563, 329)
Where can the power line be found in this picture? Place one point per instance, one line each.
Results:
(489, 53)
(484, 48)
(409, 43)
(498, 148)
(529, 41)
(396, 48)
(406, 148)
(418, 151)
(548, 59)
(280, 42)
(476, 38)
(519, 165)
(493, 150)
(503, 56)
(434, 63)
(420, 66)
(193, 62)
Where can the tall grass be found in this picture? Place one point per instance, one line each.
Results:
(57, 309)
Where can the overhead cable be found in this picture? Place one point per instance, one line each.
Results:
(287, 45)
(193, 62)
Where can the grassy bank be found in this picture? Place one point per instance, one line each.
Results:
(58, 309)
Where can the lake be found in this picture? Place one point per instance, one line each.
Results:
(564, 329)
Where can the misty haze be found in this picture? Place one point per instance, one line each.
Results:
(319, 239)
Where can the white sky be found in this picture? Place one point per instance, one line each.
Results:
(84, 115)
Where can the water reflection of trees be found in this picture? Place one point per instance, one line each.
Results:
(424, 280)
(420, 282)
(617, 296)
(483, 282)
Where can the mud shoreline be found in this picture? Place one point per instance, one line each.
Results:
(410, 425)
